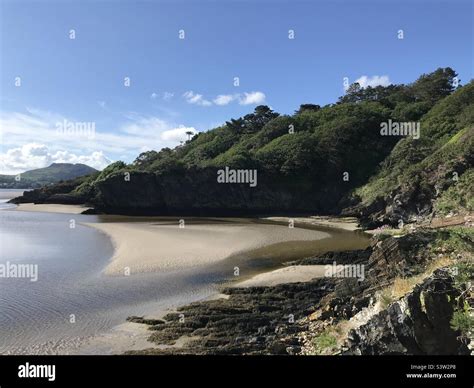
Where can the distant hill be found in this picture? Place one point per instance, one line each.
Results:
(45, 176)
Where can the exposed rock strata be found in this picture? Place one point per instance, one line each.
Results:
(272, 320)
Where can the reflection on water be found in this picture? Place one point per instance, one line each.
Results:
(72, 300)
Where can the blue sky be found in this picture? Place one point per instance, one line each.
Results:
(175, 83)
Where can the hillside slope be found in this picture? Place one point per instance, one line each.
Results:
(320, 160)
(429, 176)
(45, 176)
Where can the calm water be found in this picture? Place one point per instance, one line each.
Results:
(35, 316)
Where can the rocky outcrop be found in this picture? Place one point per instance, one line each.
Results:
(196, 191)
(414, 199)
(408, 203)
(417, 324)
(277, 319)
(256, 320)
(344, 257)
(58, 193)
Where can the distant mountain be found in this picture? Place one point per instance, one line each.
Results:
(45, 176)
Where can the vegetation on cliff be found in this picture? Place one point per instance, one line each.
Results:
(431, 172)
(324, 160)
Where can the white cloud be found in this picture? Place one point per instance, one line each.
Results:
(144, 126)
(225, 99)
(18, 130)
(252, 98)
(35, 155)
(375, 80)
(155, 128)
(167, 96)
(178, 134)
(153, 96)
(96, 159)
(198, 99)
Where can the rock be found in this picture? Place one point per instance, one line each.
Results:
(292, 350)
(251, 321)
(152, 322)
(418, 324)
(255, 320)
(344, 257)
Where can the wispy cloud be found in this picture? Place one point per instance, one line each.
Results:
(198, 99)
(136, 134)
(373, 81)
(225, 99)
(251, 98)
(167, 96)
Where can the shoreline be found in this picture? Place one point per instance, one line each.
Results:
(134, 336)
(145, 247)
(350, 224)
(337, 222)
(286, 275)
(50, 208)
(269, 316)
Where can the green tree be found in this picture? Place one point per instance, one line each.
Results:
(435, 86)
(252, 122)
(308, 108)
(145, 158)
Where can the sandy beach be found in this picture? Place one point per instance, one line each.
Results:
(157, 246)
(290, 274)
(51, 208)
(346, 223)
(149, 247)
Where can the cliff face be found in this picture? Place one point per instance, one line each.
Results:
(58, 193)
(416, 299)
(198, 192)
(419, 195)
(417, 324)
(430, 176)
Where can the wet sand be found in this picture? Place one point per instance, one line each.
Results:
(158, 245)
(51, 208)
(154, 247)
(345, 223)
(290, 274)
